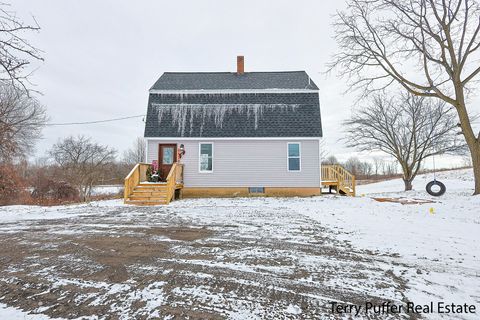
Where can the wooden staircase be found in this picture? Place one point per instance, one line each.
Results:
(337, 177)
(148, 194)
(142, 193)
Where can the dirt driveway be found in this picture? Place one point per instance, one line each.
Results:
(187, 261)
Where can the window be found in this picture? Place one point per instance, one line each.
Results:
(206, 157)
(256, 190)
(168, 155)
(293, 156)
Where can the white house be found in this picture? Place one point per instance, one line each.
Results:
(240, 133)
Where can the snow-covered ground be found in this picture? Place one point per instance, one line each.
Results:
(113, 189)
(10, 313)
(244, 258)
(442, 238)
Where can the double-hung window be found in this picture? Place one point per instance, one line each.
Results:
(294, 156)
(205, 157)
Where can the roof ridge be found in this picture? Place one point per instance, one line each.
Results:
(230, 72)
(211, 80)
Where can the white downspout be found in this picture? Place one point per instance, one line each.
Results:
(320, 161)
(146, 149)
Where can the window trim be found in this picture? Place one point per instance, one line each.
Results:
(295, 157)
(199, 157)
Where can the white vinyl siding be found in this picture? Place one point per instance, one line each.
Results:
(247, 163)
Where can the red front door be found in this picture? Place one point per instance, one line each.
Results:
(167, 156)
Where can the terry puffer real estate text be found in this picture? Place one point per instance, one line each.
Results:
(389, 307)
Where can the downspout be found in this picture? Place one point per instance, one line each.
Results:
(319, 142)
(146, 149)
(320, 162)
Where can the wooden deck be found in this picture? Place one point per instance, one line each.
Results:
(140, 192)
(335, 177)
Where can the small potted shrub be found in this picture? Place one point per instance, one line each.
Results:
(152, 174)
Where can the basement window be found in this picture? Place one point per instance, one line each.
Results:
(256, 190)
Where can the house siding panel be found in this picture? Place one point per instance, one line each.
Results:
(247, 163)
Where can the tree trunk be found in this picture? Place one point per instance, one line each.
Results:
(476, 166)
(472, 141)
(408, 184)
(474, 147)
(407, 173)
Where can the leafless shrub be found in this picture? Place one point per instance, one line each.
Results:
(12, 186)
(82, 162)
(45, 187)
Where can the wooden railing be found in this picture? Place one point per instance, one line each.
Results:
(179, 175)
(337, 174)
(137, 175)
(175, 177)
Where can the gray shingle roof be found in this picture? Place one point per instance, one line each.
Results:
(233, 81)
(225, 115)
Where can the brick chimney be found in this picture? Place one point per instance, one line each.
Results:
(240, 65)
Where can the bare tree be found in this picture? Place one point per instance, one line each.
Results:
(408, 128)
(330, 160)
(82, 162)
(136, 153)
(21, 121)
(366, 168)
(353, 165)
(391, 168)
(379, 165)
(15, 51)
(429, 47)
(359, 168)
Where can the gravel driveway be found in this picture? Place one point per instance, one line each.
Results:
(208, 260)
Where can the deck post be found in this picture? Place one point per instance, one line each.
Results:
(353, 186)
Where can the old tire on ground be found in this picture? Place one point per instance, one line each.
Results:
(438, 193)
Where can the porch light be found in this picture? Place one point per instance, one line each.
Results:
(182, 150)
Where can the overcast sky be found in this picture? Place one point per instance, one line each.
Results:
(101, 57)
